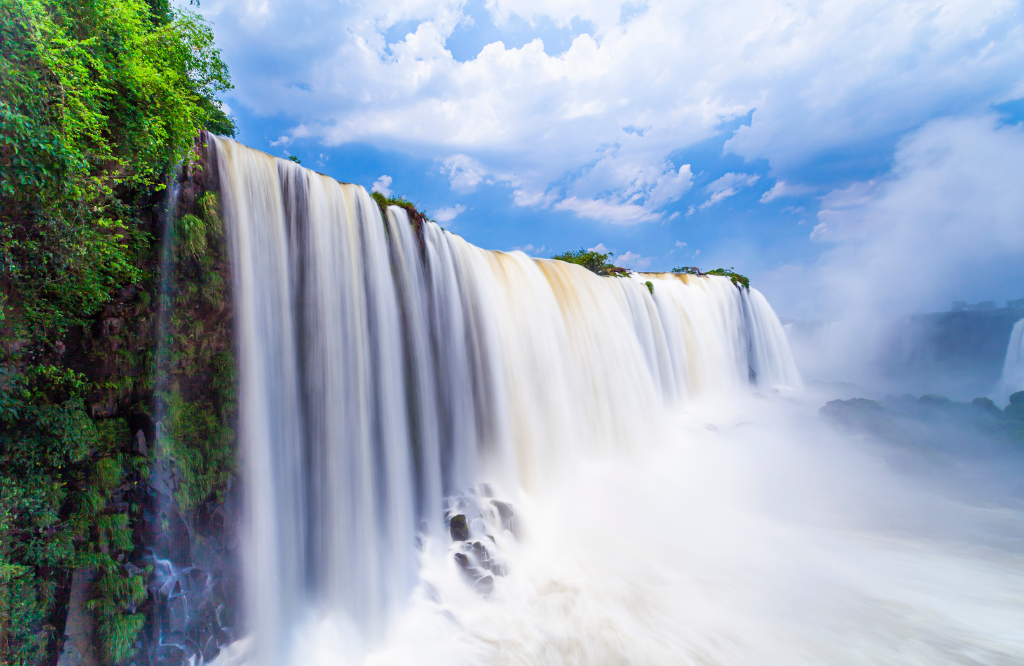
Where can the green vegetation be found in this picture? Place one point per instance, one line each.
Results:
(594, 262)
(737, 279)
(416, 217)
(66, 503)
(197, 377)
(383, 202)
(99, 99)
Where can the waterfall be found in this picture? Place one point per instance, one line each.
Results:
(385, 369)
(1012, 379)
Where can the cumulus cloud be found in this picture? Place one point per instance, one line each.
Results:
(448, 213)
(818, 77)
(633, 260)
(382, 185)
(599, 248)
(607, 211)
(464, 173)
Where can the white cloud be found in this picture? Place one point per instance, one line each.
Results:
(633, 260)
(382, 185)
(732, 181)
(820, 232)
(607, 211)
(727, 186)
(448, 213)
(718, 196)
(819, 77)
(599, 248)
(282, 140)
(784, 189)
(680, 244)
(464, 173)
(533, 198)
(642, 191)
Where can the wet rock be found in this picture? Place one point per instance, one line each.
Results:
(484, 559)
(480, 581)
(484, 585)
(507, 516)
(139, 445)
(458, 527)
(80, 631)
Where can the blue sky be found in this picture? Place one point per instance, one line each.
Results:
(841, 153)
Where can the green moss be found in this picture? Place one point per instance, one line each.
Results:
(201, 445)
(650, 287)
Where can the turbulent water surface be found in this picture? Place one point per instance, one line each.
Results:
(633, 475)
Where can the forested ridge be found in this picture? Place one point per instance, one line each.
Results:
(101, 103)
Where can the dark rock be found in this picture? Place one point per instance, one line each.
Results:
(478, 580)
(459, 527)
(483, 557)
(986, 406)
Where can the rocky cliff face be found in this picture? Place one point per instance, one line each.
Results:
(161, 358)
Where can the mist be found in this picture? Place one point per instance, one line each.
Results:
(944, 224)
(758, 532)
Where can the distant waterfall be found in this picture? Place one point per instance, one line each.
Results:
(383, 369)
(1013, 367)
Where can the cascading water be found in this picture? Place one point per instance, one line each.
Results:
(383, 371)
(1012, 379)
(393, 378)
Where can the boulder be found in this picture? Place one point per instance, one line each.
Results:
(458, 526)
(507, 516)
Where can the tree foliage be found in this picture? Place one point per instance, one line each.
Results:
(99, 99)
(594, 262)
(737, 279)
